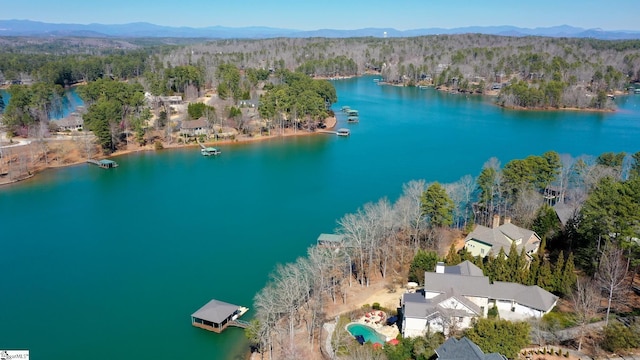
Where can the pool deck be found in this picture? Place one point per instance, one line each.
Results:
(389, 331)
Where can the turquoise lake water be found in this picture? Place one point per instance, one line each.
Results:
(111, 264)
(69, 101)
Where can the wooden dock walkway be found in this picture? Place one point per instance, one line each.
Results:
(239, 323)
(327, 132)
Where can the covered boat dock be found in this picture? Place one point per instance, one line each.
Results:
(105, 164)
(218, 315)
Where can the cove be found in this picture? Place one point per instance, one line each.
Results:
(69, 102)
(103, 264)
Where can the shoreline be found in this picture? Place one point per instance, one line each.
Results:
(494, 93)
(330, 124)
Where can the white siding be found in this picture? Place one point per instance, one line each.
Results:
(414, 327)
(482, 302)
(504, 305)
(528, 312)
(430, 295)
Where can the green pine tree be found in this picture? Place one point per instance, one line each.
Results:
(453, 258)
(558, 273)
(523, 269)
(569, 277)
(545, 276)
(500, 267)
(437, 206)
(512, 263)
(534, 270)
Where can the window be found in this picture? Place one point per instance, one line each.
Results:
(482, 251)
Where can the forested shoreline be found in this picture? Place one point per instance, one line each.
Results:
(265, 86)
(589, 258)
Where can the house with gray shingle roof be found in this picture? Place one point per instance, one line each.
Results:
(483, 240)
(455, 295)
(194, 127)
(454, 349)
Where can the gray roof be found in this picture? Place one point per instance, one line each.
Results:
(193, 124)
(454, 349)
(501, 237)
(530, 296)
(331, 238)
(215, 311)
(565, 212)
(415, 305)
(465, 268)
(472, 285)
(463, 285)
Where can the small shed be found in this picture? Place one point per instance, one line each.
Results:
(215, 315)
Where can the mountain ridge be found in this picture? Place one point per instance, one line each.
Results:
(15, 27)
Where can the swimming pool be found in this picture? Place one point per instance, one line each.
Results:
(369, 334)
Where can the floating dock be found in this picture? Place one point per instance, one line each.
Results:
(217, 315)
(105, 164)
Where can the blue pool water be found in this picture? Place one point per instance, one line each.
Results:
(369, 334)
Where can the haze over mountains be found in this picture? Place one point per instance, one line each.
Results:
(143, 29)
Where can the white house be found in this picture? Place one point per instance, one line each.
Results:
(483, 240)
(454, 295)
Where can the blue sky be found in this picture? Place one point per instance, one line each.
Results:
(333, 14)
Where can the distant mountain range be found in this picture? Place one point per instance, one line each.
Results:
(142, 29)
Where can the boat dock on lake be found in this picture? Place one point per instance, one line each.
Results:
(104, 163)
(217, 315)
(208, 151)
(340, 132)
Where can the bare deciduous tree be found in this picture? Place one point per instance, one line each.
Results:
(586, 300)
(612, 270)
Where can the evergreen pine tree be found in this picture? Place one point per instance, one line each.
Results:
(453, 258)
(500, 267)
(512, 263)
(543, 246)
(534, 269)
(523, 269)
(558, 273)
(479, 262)
(489, 267)
(545, 277)
(569, 277)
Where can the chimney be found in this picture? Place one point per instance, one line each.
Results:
(440, 267)
(496, 221)
(507, 219)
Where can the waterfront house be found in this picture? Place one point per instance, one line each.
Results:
(73, 122)
(454, 295)
(484, 240)
(194, 127)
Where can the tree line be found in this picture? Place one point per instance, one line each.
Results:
(398, 241)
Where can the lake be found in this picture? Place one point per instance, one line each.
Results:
(69, 102)
(111, 264)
